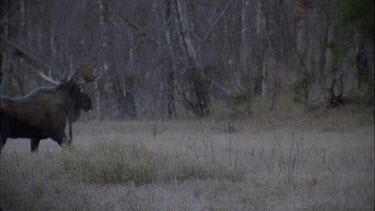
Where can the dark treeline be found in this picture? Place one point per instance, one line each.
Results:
(165, 56)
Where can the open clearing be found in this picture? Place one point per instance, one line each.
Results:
(318, 162)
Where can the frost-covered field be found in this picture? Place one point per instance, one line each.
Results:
(318, 162)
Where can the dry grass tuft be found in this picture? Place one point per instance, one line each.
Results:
(120, 162)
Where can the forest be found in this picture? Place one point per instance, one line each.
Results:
(187, 105)
(172, 59)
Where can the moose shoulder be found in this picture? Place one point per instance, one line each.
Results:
(43, 113)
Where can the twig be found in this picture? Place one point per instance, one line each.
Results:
(213, 26)
(132, 24)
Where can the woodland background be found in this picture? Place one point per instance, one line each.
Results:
(172, 58)
(237, 104)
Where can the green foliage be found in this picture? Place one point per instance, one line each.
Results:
(240, 98)
(357, 15)
(301, 88)
(241, 102)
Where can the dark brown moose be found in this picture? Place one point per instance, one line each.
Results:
(43, 113)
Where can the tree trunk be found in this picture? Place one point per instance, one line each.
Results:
(264, 73)
(129, 104)
(102, 17)
(171, 109)
(131, 109)
(243, 84)
(195, 96)
(323, 55)
(5, 74)
(186, 35)
(257, 75)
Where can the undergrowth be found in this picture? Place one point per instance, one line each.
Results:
(119, 162)
(114, 162)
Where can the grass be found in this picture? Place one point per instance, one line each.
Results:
(121, 162)
(106, 162)
(317, 162)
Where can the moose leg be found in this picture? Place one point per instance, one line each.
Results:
(70, 125)
(60, 137)
(34, 144)
(3, 140)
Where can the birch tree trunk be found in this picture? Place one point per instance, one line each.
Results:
(243, 48)
(323, 55)
(195, 96)
(186, 35)
(103, 37)
(260, 35)
(18, 73)
(264, 76)
(129, 106)
(53, 43)
(171, 109)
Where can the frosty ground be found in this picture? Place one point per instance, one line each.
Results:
(320, 161)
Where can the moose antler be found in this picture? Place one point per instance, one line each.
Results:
(88, 74)
(48, 78)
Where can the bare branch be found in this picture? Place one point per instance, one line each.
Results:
(131, 23)
(213, 26)
(36, 62)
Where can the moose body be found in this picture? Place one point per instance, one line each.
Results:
(43, 113)
(39, 115)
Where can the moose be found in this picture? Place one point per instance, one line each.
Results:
(44, 112)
